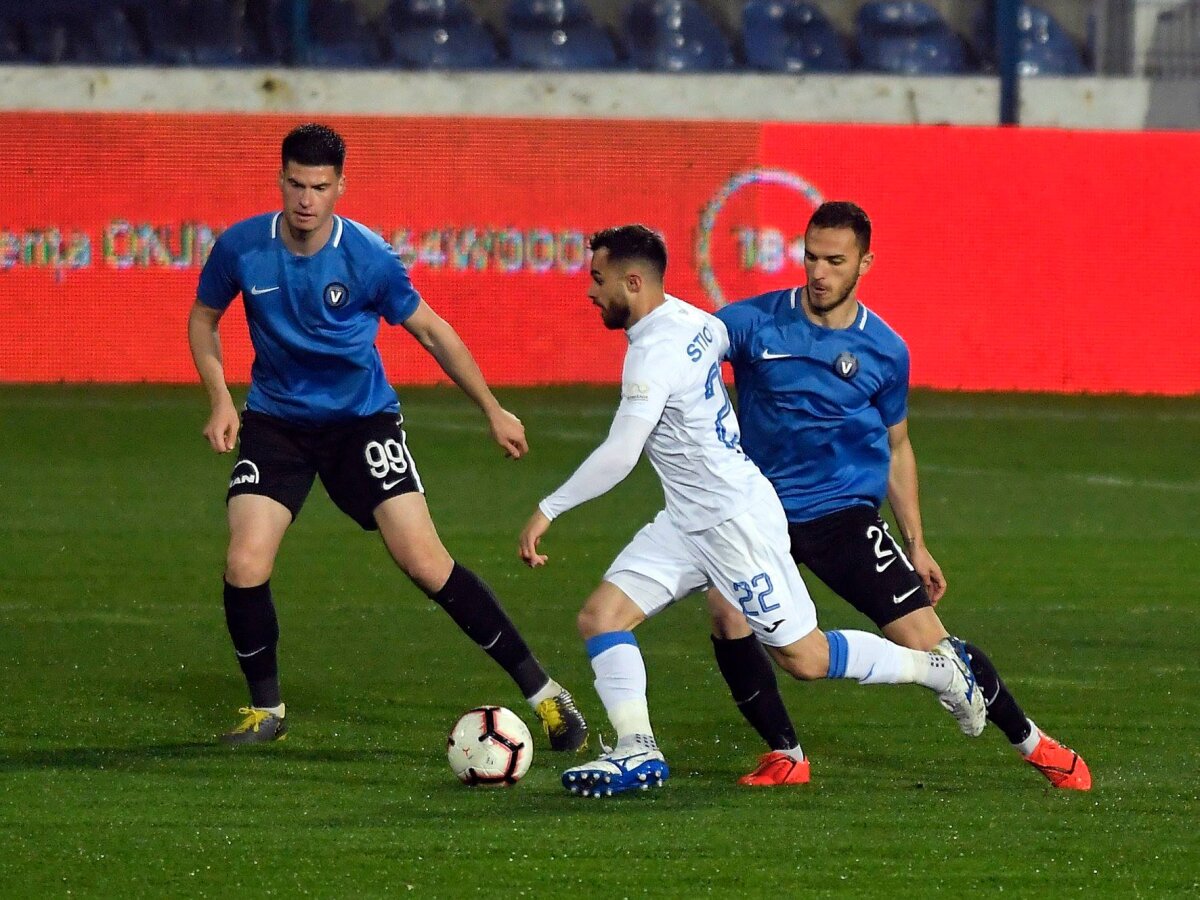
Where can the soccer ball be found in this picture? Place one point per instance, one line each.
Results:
(490, 747)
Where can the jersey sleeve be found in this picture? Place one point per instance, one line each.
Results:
(604, 469)
(892, 399)
(398, 299)
(644, 390)
(738, 321)
(219, 282)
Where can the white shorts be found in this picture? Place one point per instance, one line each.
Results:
(746, 558)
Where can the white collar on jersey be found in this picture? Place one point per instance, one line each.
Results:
(337, 228)
(862, 309)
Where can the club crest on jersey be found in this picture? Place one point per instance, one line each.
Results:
(846, 365)
(336, 294)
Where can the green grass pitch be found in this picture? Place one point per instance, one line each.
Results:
(1066, 527)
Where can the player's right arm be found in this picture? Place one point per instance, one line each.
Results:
(219, 284)
(606, 467)
(643, 399)
(221, 430)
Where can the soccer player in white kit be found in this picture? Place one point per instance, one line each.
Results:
(723, 524)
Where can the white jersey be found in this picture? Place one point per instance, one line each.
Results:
(672, 377)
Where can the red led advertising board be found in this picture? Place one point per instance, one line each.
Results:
(1008, 259)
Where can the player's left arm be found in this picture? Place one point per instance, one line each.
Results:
(442, 342)
(903, 498)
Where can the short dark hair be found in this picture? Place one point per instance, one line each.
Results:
(625, 242)
(844, 214)
(311, 144)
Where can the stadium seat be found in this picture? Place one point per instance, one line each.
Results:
(557, 34)
(904, 37)
(438, 34)
(339, 37)
(199, 33)
(271, 23)
(10, 42)
(1044, 46)
(675, 36)
(61, 33)
(791, 36)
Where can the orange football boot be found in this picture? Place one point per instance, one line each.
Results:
(776, 768)
(1062, 766)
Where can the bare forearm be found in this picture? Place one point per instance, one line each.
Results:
(903, 495)
(457, 362)
(205, 344)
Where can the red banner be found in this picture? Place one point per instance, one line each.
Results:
(1008, 259)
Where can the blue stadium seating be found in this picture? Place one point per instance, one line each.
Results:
(903, 37)
(675, 36)
(1044, 47)
(271, 22)
(557, 34)
(791, 36)
(439, 34)
(339, 37)
(199, 33)
(10, 42)
(81, 33)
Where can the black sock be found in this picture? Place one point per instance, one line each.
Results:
(747, 670)
(1002, 710)
(475, 609)
(250, 617)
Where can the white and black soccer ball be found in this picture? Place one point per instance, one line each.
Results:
(490, 747)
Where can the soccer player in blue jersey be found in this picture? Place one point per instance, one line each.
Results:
(314, 286)
(822, 385)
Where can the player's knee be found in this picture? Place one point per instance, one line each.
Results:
(591, 622)
(808, 667)
(728, 623)
(807, 659)
(429, 575)
(244, 567)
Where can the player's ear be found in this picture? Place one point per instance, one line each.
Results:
(633, 281)
(864, 264)
(341, 185)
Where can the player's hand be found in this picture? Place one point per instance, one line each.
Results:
(509, 433)
(931, 573)
(221, 430)
(527, 544)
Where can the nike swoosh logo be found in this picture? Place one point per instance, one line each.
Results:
(767, 354)
(905, 596)
(256, 290)
(251, 653)
(388, 485)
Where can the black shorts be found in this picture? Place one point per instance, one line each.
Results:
(853, 552)
(361, 462)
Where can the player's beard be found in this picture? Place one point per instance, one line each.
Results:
(615, 316)
(841, 298)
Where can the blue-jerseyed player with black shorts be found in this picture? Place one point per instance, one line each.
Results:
(314, 286)
(822, 384)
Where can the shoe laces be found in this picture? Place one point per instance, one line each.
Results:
(554, 711)
(252, 722)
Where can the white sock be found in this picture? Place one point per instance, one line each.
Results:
(795, 753)
(551, 689)
(273, 710)
(870, 659)
(621, 682)
(1030, 743)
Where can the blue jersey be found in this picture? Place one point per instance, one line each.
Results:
(313, 319)
(815, 403)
